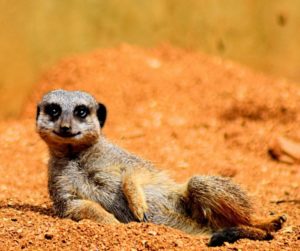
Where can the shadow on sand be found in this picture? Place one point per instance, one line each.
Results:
(24, 207)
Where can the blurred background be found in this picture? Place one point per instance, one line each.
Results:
(35, 34)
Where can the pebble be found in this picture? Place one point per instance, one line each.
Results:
(178, 243)
(48, 236)
(152, 233)
(288, 230)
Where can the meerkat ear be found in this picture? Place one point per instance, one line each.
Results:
(38, 109)
(101, 114)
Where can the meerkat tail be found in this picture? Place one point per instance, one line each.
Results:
(217, 202)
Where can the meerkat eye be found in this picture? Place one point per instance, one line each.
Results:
(81, 111)
(53, 110)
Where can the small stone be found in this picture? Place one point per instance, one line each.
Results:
(226, 244)
(153, 63)
(294, 185)
(237, 249)
(10, 203)
(178, 243)
(288, 230)
(183, 164)
(14, 219)
(145, 243)
(228, 172)
(152, 233)
(48, 236)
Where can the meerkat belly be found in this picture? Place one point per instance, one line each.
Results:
(105, 189)
(162, 204)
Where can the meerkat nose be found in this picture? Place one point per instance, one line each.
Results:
(65, 128)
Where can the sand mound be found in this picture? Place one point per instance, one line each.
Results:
(186, 112)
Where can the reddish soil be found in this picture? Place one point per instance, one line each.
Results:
(186, 112)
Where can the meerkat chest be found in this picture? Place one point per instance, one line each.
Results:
(86, 181)
(103, 178)
(100, 182)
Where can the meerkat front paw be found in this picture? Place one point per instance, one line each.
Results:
(135, 196)
(136, 201)
(138, 207)
(141, 215)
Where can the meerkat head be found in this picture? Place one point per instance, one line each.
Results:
(69, 117)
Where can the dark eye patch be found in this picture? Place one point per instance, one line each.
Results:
(81, 111)
(53, 110)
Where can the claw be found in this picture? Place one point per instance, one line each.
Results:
(283, 218)
(277, 223)
(145, 219)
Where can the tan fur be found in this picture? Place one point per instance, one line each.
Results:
(272, 224)
(91, 178)
(132, 182)
(86, 209)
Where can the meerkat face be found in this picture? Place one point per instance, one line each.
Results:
(70, 117)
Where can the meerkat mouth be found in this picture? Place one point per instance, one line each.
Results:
(66, 135)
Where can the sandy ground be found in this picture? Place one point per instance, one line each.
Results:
(186, 112)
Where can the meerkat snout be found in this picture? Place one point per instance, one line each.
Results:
(72, 117)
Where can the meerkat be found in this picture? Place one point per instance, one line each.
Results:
(91, 178)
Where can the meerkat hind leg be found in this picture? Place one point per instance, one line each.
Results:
(217, 202)
(233, 234)
(258, 231)
(261, 230)
(270, 225)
